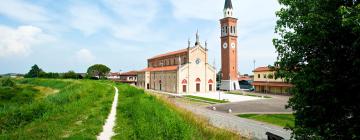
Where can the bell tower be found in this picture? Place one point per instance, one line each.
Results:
(229, 46)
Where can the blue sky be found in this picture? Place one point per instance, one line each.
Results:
(72, 35)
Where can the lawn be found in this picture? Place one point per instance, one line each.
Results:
(147, 117)
(246, 94)
(54, 109)
(206, 99)
(277, 119)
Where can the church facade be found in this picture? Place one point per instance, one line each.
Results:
(183, 71)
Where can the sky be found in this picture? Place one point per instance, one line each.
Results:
(74, 34)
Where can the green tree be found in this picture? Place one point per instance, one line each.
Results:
(98, 70)
(219, 77)
(319, 52)
(70, 75)
(270, 76)
(34, 72)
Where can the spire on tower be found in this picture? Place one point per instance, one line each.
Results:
(228, 4)
(197, 38)
(206, 45)
(228, 9)
(189, 43)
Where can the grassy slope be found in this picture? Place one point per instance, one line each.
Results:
(78, 110)
(142, 116)
(276, 119)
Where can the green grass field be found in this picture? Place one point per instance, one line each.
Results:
(147, 117)
(54, 109)
(76, 109)
(206, 99)
(277, 119)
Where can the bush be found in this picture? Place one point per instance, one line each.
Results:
(8, 83)
(70, 75)
(50, 75)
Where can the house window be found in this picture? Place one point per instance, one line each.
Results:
(210, 87)
(258, 75)
(184, 88)
(264, 75)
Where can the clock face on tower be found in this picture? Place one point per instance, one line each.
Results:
(225, 45)
(233, 45)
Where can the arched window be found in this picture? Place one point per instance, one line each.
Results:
(184, 81)
(197, 80)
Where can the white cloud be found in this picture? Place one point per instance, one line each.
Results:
(21, 10)
(88, 19)
(133, 11)
(20, 40)
(212, 9)
(198, 9)
(85, 56)
(130, 19)
(133, 19)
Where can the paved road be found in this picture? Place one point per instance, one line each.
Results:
(245, 127)
(276, 104)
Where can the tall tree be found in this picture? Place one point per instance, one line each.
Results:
(319, 52)
(98, 70)
(34, 72)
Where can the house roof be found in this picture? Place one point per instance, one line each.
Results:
(273, 84)
(130, 73)
(170, 53)
(166, 68)
(245, 78)
(261, 69)
(114, 74)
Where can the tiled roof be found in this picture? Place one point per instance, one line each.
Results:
(114, 74)
(273, 84)
(130, 73)
(166, 68)
(260, 69)
(245, 78)
(170, 53)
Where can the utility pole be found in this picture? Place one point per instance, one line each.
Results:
(254, 63)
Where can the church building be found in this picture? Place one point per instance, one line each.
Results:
(183, 71)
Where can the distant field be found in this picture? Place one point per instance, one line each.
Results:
(276, 119)
(54, 109)
(143, 116)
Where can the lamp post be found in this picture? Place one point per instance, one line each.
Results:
(267, 82)
(120, 74)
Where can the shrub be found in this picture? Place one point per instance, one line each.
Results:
(8, 83)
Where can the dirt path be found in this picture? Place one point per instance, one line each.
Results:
(108, 132)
